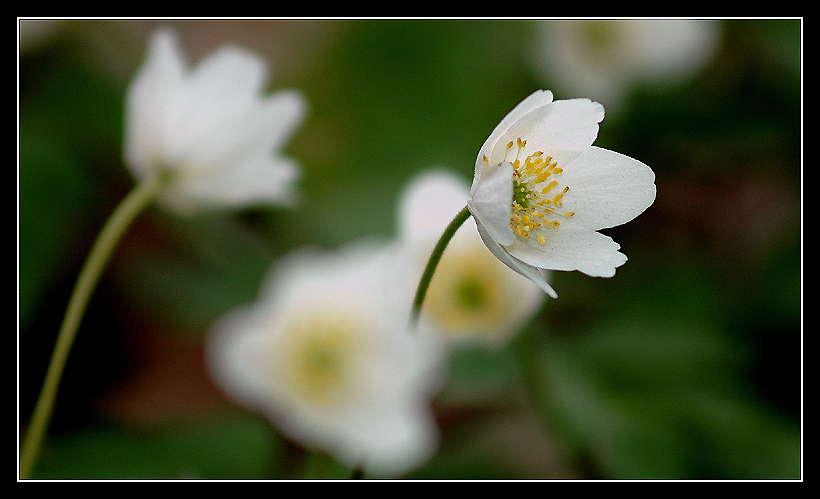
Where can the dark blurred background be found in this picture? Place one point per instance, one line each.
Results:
(686, 365)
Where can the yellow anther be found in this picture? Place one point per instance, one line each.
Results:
(532, 206)
(549, 186)
(532, 164)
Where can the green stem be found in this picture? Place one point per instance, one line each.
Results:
(112, 232)
(432, 263)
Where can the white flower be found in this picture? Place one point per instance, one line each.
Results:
(210, 128)
(604, 59)
(326, 355)
(473, 298)
(541, 191)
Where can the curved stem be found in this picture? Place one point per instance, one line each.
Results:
(432, 263)
(98, 258)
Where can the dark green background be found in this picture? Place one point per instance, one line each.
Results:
(686, 365)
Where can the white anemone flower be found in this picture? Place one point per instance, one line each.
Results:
(210, 128)
(541, 191)
(326, 355)
(473, 298)
(606, 58)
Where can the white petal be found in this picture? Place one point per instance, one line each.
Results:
(429, 203)
(607, 188)
(537, 99)
(564, 124)
(219, 92)
(229, 78)
(491, 202)
(249, 130)
(571, 247)
(258, 180)
(234, 354)
(149, 97)
(532, 273)
(284, 111)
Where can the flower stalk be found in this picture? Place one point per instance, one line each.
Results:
(432, 263)
(119, 221)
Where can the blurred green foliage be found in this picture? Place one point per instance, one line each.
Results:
(686, 365)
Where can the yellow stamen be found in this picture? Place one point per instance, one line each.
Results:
(533, 183)
(549, 186)
(543, 176)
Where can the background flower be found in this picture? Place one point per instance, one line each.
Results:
(473, 298)
(210, 127)
(605, 59)
(325, 353)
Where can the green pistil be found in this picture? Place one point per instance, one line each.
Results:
(521, 194)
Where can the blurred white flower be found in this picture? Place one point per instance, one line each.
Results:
(541, 191)
(210, 128)
(473, 298)
(605, 59)
(325, 354)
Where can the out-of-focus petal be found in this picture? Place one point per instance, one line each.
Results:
(149, 100)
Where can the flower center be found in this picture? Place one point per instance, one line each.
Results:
(465, 295)
(537, 196)
(319, 357)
